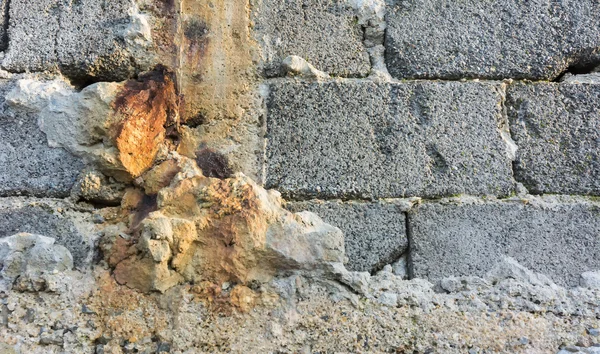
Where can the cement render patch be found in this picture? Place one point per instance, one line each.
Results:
(360, 139)
(558, 239)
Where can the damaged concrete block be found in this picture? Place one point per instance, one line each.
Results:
(492, 40)
(374, 233)
(325, 33)
(87, 40)
(57, 220)
(557, 129)
(558, 239)
(28, 166)
(27, 258)
(361, 139)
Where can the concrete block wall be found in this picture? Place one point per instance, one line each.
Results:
(427, 99)
(491, 116)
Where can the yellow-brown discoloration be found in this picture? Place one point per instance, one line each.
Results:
(215, 57)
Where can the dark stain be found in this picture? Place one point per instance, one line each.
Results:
(5, 8)
(196, 31)
(196, 120)
(147, 205)
(213, 164)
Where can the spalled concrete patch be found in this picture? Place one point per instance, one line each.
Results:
(219, 230)
(59, 220)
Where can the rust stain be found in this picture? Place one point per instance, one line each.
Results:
(215, 58)
(146, 107)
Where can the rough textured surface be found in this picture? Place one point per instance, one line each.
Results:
(512, 316)
(4, 24)
(119, 127)
(559, 239)
(86, 40)
(28, 166)
(557, 129)
(374, 233)
(325, 33)
(53, 219)
(482, 39)
(26, 259)
(358, 138)
(238, 233)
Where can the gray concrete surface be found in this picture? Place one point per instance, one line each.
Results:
(356, 138)
(325, 33)
(559, 240)
(557, 129)
(374, 233)
(483, 39)
(3, 24)
(48, 219)
(84, 39)
(28, 166)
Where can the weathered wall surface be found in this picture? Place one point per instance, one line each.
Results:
(454, 145)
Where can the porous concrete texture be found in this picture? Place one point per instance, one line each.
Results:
(356, 138)
(28, 166)
(325, 33)
(86, 40)
(558, 238)
(374, 233)
(70, 228)
(557, 129)
(494, 40)
(3, 24)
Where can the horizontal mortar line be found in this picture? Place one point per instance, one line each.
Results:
(488, 199)
(402, 81)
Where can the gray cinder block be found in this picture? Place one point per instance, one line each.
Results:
(83, 38)
(70, 229)
(28, 166)
(374, 233)
(325, 33)
(357, 138)
(557, 129)
(490, 39)
(559, 240)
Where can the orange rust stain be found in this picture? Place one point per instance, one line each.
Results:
(146, 107)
